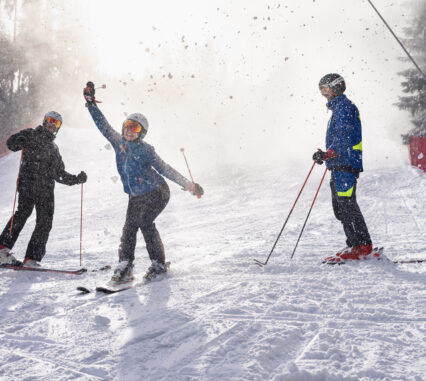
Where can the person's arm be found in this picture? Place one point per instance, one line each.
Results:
(18, 141)
(100, 121)
(168, 171)
(104, 127)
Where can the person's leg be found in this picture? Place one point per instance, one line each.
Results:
(348, 209)
(337, 209)
(45, 208)
(23, 211)
(126, 251)
(154, 204)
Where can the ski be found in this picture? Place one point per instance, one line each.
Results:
(108, 289)
(113, 288)
(376, 254)
(43, 269)
(410, 261)
(49, 270)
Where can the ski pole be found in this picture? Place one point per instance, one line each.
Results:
(81, 221)
(285, 223)
(190, 174)
(16, 191)
(310, 210)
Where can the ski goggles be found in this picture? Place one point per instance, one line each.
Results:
(54, 121)
(133, 126)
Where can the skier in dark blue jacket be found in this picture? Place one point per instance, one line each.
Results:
(141, 171)
(343, 157)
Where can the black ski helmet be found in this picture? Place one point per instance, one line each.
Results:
(335, 82)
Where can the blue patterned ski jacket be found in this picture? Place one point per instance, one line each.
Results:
(344, 135)
(140, 168)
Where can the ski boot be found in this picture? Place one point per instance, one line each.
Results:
(336, 258)
(29, 262)
(123, 272)
(6, 258)
(156, 269)
(358, 252)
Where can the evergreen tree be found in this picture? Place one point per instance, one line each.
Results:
(415, 83)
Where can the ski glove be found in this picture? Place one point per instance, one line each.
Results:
(81, 177)
(195, 189)
(89, 94)
(321, 156)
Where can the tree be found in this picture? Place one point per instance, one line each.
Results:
(415, 83)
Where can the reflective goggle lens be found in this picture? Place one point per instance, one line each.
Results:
(54, 121)
(132, 126)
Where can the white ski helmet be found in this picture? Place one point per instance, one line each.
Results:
(139, 118)
(54, 115)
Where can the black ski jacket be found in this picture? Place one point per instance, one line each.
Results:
(42, 163)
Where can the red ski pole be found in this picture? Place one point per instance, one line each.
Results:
(16, 191)
(81, 222)
(310, 210)
(285, 223)
(190, 174)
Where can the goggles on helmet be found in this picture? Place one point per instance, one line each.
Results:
(133, 126)
(50, 120)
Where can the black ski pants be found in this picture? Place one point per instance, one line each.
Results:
(347, 211)
(141, 213)
(44, 204)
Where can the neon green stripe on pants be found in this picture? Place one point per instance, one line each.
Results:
(348, 193)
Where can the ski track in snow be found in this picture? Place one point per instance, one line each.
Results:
(218, 316)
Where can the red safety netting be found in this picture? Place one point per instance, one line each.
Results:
(418, 151)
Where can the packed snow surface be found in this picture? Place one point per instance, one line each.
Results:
(218, 316)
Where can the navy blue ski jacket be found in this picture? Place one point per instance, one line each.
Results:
(137, 163)
(344, 135)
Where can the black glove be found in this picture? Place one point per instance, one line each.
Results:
(21, 141)
(81, 177)
(319, 157)
(89, 94)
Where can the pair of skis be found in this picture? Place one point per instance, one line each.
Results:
(113, 287)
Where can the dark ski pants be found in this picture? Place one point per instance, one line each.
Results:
(347, 211)
(44, 204)
(141, 213)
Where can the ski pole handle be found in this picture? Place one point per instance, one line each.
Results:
(187, 166)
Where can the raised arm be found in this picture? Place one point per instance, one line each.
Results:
(104, 127)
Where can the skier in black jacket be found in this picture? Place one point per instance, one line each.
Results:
(42, 165)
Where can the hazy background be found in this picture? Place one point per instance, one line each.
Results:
(234, 82)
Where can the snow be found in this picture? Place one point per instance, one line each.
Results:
(218, 316)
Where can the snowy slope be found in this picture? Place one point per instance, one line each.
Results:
(218, 316)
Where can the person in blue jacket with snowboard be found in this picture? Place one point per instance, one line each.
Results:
(343, 157)
(141, 171)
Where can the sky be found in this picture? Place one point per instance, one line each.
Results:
(236, 82)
